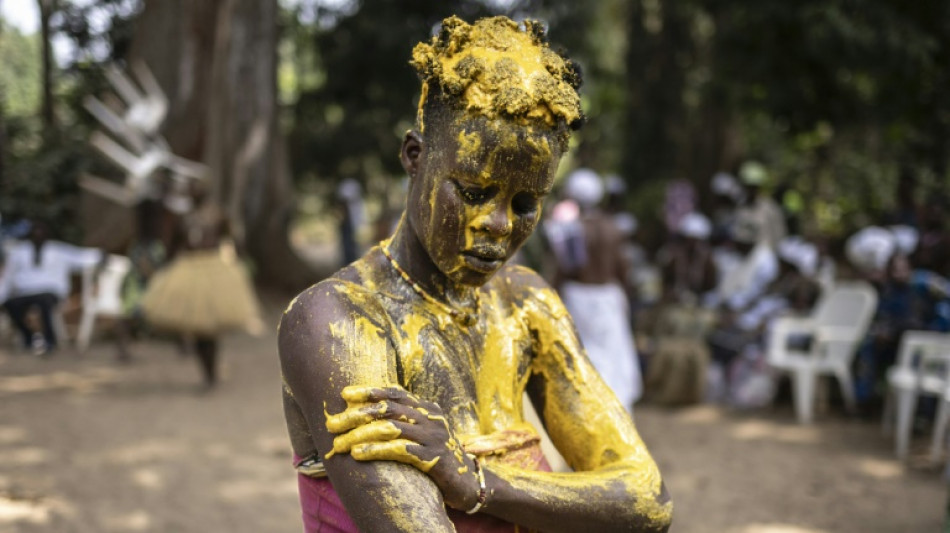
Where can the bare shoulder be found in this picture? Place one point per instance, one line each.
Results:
(517, 278)
(307, 322)
(526, 289)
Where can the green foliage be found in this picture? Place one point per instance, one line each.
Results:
(42, 166)
(19, 71)
(837, 97)
(352, 123)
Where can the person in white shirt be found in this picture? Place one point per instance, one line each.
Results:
(36, 275)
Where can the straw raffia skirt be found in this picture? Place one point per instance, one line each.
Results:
(202, 292)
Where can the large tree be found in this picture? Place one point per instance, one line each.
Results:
(217, 63)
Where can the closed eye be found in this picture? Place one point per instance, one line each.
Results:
(524, 204)
(474, 195)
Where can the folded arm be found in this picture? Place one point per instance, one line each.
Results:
(616, 485)
(328, 341)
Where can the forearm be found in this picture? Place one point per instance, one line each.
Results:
(620, 498)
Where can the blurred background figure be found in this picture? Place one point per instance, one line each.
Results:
(592, 281)
(36, 278)
(746, 275)
(727, 196)
(147, 254)
(909, 298)
(680, 200)
(759, 206)
(205, 290)
(349, 195)
(686, 262)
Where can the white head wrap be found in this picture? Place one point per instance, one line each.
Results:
(725, 184)
(626, 223)
(695, 226)
(800, 253)
(906, 238)
(871, 248)
(585, 187)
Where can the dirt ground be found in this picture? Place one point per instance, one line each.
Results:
(89, 445)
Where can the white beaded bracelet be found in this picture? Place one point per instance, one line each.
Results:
(482, 491)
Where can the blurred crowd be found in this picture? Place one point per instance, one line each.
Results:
(674, 320)
(696, 311)
(179, 276)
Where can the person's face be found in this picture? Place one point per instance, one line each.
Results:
(900, 270)
(39, 233)
(476, 191)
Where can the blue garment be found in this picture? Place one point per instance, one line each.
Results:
(923, 303)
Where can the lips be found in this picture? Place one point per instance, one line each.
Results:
(484, 259)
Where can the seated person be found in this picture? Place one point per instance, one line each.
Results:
(404, 372)
(37, 276)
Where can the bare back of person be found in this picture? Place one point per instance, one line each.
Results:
(605, 263)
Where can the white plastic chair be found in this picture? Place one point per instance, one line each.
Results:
(836, 328)
(102, 296)
(922, 368)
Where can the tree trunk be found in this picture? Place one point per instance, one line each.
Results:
(47, 8)
(3, 131)
(217, 63)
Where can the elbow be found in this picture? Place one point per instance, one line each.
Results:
(654, 514)
(663, 503)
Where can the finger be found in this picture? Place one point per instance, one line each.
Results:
(375, 431)
(361, 394)
(357, 416)
(395, 450)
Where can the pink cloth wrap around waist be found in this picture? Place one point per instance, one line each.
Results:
(323, 512)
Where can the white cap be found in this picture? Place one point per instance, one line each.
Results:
(349, 190)
(725, 184)
(585, 187)
(695, 226)
(906, 238)
(800, 253)
(626, 223)
(871, 248)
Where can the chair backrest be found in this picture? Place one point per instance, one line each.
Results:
(926, 353)
(847, 308)
(104, 294)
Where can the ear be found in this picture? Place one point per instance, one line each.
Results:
(411, 152)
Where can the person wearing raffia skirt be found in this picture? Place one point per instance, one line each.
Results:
(205, 290)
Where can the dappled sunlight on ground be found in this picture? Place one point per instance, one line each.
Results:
(778, 528)
(88, 445)
(85, 381)
(767, 430)
(12, 511)
(138, 520)
(701, 414)
(761, 472)
(880, 468)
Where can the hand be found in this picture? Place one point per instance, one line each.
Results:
(390, 424)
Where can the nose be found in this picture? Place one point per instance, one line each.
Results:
(496, 222)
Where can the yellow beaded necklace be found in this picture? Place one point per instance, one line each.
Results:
(466, 318)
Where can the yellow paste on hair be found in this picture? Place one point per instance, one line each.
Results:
(496, 69)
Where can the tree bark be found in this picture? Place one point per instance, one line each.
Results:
(217, 63)
(47, 8)
(3, 131)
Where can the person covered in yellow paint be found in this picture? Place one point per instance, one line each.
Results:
(404, 372)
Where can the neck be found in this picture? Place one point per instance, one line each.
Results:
(407, 249)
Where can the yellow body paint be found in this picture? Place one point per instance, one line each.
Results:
(478, 374)
(394, 450)
(498, 71)
(376, 431)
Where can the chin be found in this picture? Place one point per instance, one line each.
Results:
(474, 278)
